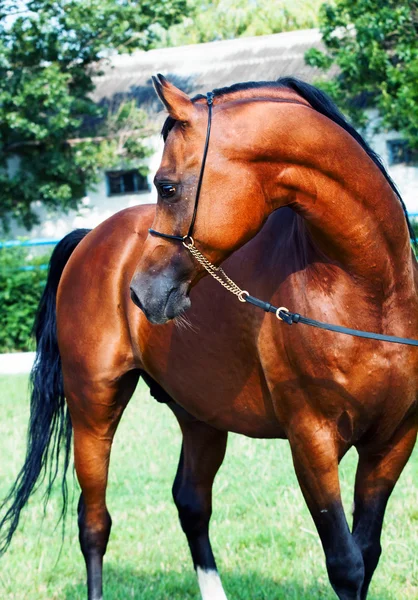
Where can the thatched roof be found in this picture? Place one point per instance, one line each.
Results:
(202, 67)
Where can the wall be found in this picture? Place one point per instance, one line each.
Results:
(96, 207)
(405, 176)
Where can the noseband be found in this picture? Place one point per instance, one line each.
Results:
(282, 313)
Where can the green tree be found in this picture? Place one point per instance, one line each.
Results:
(53, 138)
(209, 20)
(375, 46)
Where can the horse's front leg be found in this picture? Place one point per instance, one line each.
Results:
(202, 453)
(377, 473)
(315, 457)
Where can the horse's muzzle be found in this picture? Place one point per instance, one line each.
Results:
(159, 298)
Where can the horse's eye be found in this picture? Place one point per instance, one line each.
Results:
(167, 190)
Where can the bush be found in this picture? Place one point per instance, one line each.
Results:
(22, 280)
(415, 226)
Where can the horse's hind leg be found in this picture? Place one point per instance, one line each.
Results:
(377, 474)
(95, 412)
(315, 457)
(202, 453)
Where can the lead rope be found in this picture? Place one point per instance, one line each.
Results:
(282, 313)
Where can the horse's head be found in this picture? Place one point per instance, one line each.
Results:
(235, 187)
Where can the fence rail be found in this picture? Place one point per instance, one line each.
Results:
(34, 242)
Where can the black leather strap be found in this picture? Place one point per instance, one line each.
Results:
(180, 238)
(291, 318)
(209, 99)
(356, 332)
(170, 236)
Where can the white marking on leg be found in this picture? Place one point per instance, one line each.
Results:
(210, 584)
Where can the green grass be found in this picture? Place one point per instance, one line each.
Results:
(263, 536)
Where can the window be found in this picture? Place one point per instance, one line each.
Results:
(398, 152)
(125, 182)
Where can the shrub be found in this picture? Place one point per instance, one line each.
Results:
(22, 280)
(415, 226)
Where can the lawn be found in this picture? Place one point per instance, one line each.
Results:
(263, 536)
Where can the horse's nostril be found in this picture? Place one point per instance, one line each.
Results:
(135, 298)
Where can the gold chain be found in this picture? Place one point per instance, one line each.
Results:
(217, 272)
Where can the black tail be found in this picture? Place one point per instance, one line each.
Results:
(50, 431)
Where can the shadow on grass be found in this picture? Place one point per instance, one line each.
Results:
(124, 583)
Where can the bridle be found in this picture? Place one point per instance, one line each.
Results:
(184, 238)
(282, 313)
(187, 240)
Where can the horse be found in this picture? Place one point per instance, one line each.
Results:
(270, 180)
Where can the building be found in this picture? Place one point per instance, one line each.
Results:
(198, 69)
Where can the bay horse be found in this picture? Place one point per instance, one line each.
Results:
(301, 212)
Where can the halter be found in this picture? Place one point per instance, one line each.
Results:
(282, 313)
(183, 238)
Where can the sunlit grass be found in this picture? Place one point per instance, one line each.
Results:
(264, 540)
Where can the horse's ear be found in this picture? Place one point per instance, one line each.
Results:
(177, 103)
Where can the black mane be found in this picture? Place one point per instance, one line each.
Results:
(322, 104)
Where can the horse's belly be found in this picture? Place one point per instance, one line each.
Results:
(220, 403)
(221, 386)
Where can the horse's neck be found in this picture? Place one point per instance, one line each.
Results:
(293, 247)
(351, 213)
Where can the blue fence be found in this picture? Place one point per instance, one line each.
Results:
(36, 242)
